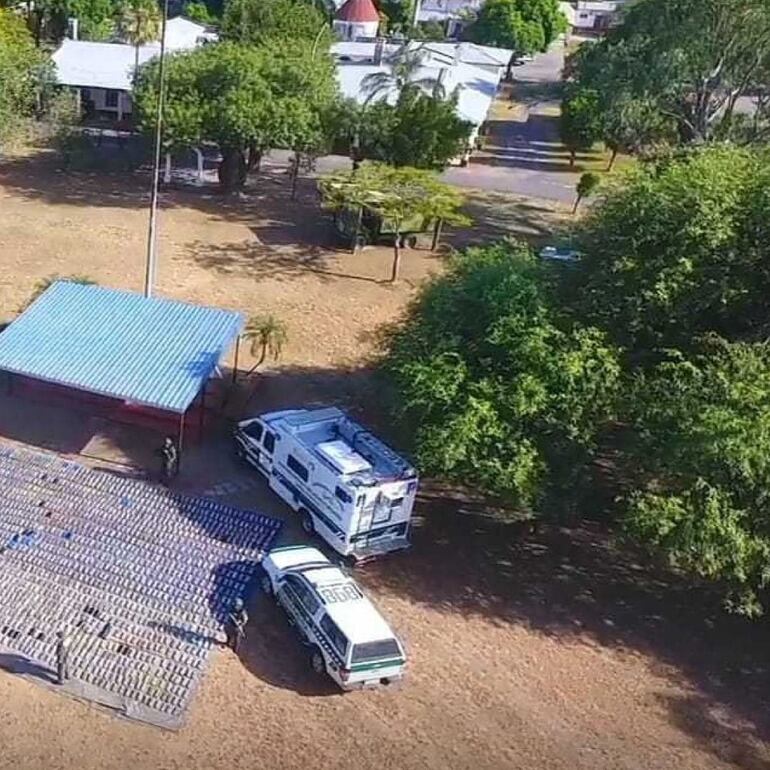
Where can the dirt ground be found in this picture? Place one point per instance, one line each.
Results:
(557, 649)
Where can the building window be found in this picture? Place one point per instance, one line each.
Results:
(297, 467)
(111, 99)
(341, 494)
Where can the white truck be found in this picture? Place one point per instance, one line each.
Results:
(347, 637)
(347, 486)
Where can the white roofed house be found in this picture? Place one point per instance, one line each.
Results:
(102, 73)
(592, 17)
(453, 14)
(469, 71)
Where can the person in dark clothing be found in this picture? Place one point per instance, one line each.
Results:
(235, 625)
(63, 644)
(169, 460)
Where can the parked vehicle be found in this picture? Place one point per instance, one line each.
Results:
(347, 637)
(347, 486)
(559, 254)
(368, 227)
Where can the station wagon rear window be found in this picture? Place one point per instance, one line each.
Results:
(370, 651)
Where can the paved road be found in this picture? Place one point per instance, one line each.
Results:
(521, 154)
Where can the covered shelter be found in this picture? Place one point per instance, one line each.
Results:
(135, 358)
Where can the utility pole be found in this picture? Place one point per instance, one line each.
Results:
(416, 18)
(152, 244)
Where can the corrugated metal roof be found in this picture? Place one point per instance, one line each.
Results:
(155, 352)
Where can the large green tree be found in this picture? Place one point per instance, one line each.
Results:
(265, 21)
(419, 130)
(701, 465)
(679, 247)
(524, 26)
(243, 98)
(580, 121)
(692, 60)
(495, 387)
(398, 195)
(24, 73)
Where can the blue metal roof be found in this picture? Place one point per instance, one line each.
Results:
(155, 352)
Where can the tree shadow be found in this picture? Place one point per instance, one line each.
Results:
(578, 583)
(501, 216)
(263, 260)
(734, 742)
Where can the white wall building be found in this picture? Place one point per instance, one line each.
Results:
(452, 13)
(357, 20)
(471, 71)
(102, 73)
(585, 16)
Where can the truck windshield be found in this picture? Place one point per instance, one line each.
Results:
(371, 651)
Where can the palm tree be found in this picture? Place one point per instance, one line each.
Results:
(44, 283)
(139, 22)
(404, 70)
(268, 335)
(586, 186)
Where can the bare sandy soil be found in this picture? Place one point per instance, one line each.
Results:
(549, 650)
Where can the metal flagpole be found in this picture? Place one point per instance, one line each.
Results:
(152, 246)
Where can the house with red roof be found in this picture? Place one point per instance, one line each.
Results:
(357, 20)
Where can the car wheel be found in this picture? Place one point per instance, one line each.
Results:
(317, 662)
(267, 585)
(307, 522)
(411, 242)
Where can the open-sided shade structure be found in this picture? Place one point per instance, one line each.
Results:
(154, 352)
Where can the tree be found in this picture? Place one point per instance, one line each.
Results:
(399, 15)
(404, 72)
(268, 335)
(494, 387)
(44, 283)
(524, 26)
(692, 60)
(25, 74)
(200, 12)
(419, 130)
(400, 196)
(243, 97)
(139, 23)
(586, 186)
(580, 122)
(430, 30)
(256, 22)
(679, 248)
(701, 464)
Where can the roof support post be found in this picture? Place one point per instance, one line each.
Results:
(180, 441)
(237, 354)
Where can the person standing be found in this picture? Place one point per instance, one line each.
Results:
(63, 645)
(235, 625)
(169, 460)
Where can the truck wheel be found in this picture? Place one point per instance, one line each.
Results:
(317, 662)
(307, 522)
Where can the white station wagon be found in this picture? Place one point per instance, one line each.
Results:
(347, 637)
